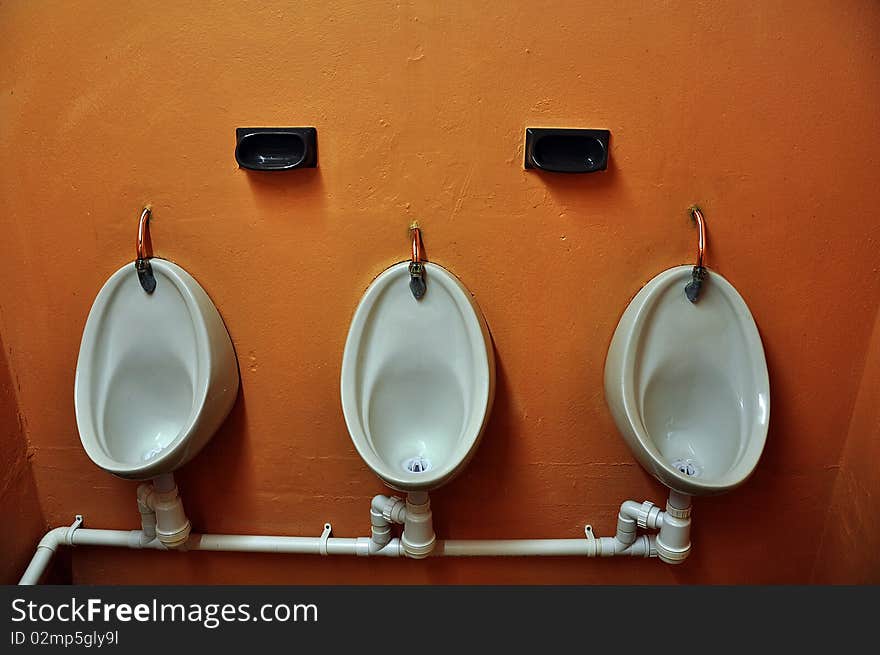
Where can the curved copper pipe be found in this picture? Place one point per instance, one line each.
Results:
(143, 226)
(416, 244)
(701, 226)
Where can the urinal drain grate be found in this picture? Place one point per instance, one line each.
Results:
(417, 464)
(687, 467)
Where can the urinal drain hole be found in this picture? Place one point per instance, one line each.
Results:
(417, 464)
(687, 467)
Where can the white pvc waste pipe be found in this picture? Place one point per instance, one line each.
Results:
(598, 547)
(511, 547)
(220, 542)
(674, 531)
(216, 542)
(39, 563)
(307, 546)
(260, 544)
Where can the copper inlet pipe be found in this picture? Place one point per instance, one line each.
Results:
(701, 226)
(699, 273)
(416, 243)
(142, 263)
(417, 283)
(143, 226)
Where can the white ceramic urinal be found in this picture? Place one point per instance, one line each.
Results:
(418, 378)
(156, 374)
(687, 383)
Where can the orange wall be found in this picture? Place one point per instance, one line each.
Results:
(766, 114)
(850, 550)
(23, 522)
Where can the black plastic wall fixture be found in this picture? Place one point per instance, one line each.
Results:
(276, 148)
(566, 150)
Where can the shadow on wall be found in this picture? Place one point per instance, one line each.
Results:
(22, 511)
(493, 460)
(227, 458)
(22, 514)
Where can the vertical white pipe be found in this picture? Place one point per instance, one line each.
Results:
(45, 550)
(37, 567)
(674, 540)
(418, 537)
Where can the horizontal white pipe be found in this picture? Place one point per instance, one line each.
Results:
(118, 538)
(598, 547)
(264, 544)
(312, 546)
(335, 545)
(510, 547)
(219, 542)
(625, 544)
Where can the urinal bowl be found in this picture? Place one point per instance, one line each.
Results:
(156, 374)
(418, 378)
(687, 384)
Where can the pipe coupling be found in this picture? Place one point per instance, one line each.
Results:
(394, 510)
(678, 512)
(648, 516)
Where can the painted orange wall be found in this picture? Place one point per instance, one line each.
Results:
(766, 114)
(850, 550)
(23, 522)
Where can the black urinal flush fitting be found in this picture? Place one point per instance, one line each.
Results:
(561, 150)
(276, 148)
(142, 260)
(417, 283)
(700, 273)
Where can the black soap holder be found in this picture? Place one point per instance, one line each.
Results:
(561, 150)
(276, 148)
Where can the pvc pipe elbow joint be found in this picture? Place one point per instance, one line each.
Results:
(646, 514)
(56, 537)
(390, 508)
(384, 511)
